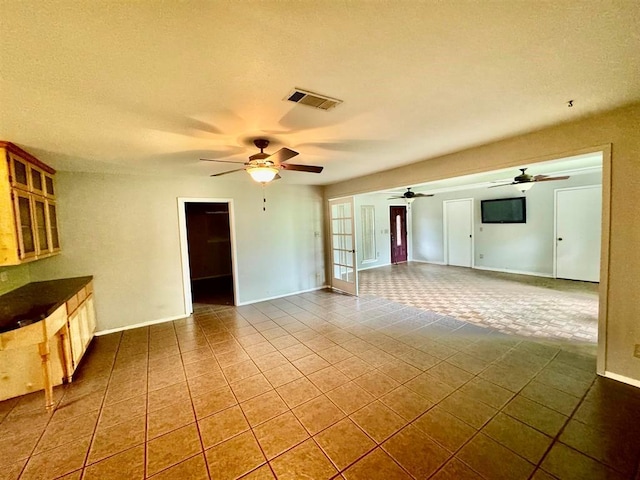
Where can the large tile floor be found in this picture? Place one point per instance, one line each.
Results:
(321, 386)
(516, 304)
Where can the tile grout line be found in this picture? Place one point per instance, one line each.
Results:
(556, 438)
(193, 408)
(245, 419)
(102, 403)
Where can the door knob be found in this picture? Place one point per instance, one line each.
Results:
(559, 239)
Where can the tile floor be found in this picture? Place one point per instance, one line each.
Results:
(324, 386)
(515, 304)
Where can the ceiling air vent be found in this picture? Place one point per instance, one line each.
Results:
(311, 99)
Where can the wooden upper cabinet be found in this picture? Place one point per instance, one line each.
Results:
(28, 215)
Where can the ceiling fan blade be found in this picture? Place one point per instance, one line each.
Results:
(302, 168)
(226, 173)
(503, 185)
(393, 198)
(549, 179)
(423, 195)
(221, 161)
(282, 155)
(538, 177)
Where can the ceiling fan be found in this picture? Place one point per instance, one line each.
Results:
(410, 196)
(524, 181)
(263, 167)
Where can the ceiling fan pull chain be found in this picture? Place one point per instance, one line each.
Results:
(264, 200)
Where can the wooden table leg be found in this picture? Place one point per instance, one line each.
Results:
(45, 354)
(67, 359)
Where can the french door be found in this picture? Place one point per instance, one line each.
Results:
(344, 275)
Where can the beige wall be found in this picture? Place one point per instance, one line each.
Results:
(619, 128)
(15, 277)
(123, 230)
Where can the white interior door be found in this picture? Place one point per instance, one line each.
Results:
(458, 227)
(578, 231)
(344, 275)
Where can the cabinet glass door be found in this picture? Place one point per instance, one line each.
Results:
(37, 185)
(19, 177)
(49, 190)
(53, 226)
(25, 228)
(40, 209)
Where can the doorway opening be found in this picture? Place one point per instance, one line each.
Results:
(446, 230)
(398, 223)
(208, 254)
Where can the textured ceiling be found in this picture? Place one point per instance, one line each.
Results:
(152, 86)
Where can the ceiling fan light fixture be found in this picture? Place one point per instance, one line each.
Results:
(262, 174)
(525, 186)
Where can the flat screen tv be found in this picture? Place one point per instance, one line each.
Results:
(504, 210)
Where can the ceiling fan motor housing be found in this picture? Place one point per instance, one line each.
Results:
(523, 177)
(259, 156)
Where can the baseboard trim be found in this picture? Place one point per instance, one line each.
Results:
(374, 266)
(314, 289)
(516, 272)
(621, 378)
(138, 325)
(427, 261)
(179, 317)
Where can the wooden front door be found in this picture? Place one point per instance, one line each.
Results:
(398, 234)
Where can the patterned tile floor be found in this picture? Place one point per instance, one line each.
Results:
(325, 386)
(518, 304)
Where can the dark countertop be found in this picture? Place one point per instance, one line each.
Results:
(35, 301)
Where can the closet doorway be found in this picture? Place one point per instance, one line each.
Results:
(208, 253)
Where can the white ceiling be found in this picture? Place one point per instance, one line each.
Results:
(151, 86)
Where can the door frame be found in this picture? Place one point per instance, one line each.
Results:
(352, 200)
(406, 231)
(555, 224)
(445, 230)
(184, 248)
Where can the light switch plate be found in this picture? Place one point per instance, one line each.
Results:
(636, 352)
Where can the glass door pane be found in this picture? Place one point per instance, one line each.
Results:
(36, 181)
(25, 218)
(53, 226)
(48, 180)
(19, 177)
(41, 225)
